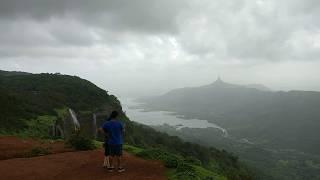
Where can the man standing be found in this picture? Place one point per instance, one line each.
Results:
(114, 129)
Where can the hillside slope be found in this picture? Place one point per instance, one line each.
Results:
(33, 99)
(25, 96)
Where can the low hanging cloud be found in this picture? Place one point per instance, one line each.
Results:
(254, 30)
(177, 43)
(238, 29)
(139, 15)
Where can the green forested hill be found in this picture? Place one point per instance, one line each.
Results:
(33, 98)
(25, 96)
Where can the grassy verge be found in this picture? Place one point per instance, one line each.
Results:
(178, 167)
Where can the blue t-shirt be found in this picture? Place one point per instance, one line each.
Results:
(114, 129)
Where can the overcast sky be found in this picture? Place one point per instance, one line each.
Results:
(145, 47)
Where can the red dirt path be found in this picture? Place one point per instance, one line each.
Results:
(76, 165)
(13, 147)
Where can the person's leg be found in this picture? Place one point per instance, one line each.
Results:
(111, 161)
(106, 162)
(119, 159)
(111, 157)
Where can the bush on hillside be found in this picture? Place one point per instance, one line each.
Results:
(80, 142)
(187, 176)
(192, 160)
(38, 151)
(185, 167)
(186, 171)
(170, 160)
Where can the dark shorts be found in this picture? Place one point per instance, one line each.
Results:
(115, 150)
(106, 147)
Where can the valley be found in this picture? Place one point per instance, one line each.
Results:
(274, 132)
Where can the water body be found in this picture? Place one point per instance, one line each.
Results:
(158, 118)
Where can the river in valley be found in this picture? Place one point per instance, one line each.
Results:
(158, 118)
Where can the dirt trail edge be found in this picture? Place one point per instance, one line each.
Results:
(63, 164)
(78, 165)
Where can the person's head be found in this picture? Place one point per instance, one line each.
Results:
(113, 115)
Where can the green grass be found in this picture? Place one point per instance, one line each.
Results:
(132, 149)
(178, 167)
(35, 128)
(97, 144)
(203, 173)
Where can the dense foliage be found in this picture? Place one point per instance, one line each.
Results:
(211, 158)
(80, 142)
(26, 96)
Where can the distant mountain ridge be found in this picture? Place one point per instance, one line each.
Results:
(259, 87)
(220, 84)
(272, 118)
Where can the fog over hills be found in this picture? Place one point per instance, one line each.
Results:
(275, 132)
(280, 119)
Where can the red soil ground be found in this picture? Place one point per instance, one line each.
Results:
(13, 147)
(69, 165)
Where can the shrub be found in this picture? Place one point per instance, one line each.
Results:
(187, 176)
(170, 160)
(38, 151)
(186, 171)
(80, 142)
(185, 167)
(192, 160)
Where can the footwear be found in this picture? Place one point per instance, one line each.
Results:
(121, 169)
(110, 169)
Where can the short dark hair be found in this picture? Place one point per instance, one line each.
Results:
(113, 115)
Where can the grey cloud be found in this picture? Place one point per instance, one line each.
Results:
(140, 15)
(236, 29)
(176, 43)
(256, 30)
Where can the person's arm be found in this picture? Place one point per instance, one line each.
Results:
(100, 130)
(103, 129)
